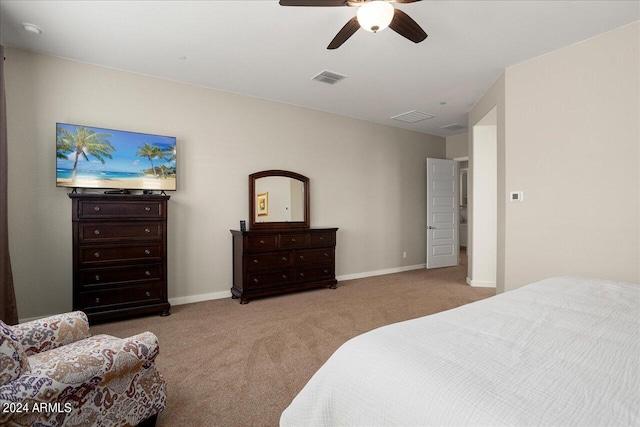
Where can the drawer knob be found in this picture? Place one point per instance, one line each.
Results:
(255, 261)
(147, 208)
(96, 208)
(97, 277)
(321, 238)
(284, 258)
(255, 280)
(326, 271)
(293, 240)
(262, 242)
(301, 256)
(97, 300)
(96, 232)
(147, 273)
(326, 254)
(301, 274)
(146, 230)
(96, 254)
(148, 293)
(284, 276)
(147, 252)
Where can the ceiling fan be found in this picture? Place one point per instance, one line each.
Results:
(372, 15)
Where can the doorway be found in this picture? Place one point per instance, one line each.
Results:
(483, 212)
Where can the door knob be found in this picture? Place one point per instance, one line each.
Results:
(430, 227)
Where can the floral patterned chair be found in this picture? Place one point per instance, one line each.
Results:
(54, 373)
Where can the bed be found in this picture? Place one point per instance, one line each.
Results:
(560, 352)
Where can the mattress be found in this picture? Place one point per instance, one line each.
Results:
(560, 352)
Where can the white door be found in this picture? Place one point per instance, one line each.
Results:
(442, 213)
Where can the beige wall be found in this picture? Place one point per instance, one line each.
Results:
(569, 140)
(572, 147)
(458, 146)
(367, 179)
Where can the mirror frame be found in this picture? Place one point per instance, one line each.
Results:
(253, 225)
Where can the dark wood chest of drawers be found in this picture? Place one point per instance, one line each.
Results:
(269, 262)
(119, 255)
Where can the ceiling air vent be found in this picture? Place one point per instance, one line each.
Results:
(328, 77)
(413, 116)
(454, 126)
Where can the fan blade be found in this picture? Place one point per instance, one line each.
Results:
(406, 1)
(407, 27)
(313, 3)
(343, 35)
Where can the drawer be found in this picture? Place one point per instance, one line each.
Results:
(294, 240)
(270, 260)
(105, 232)
(262, 242)
(313, 256)
(262, 280)
(120, 275)
(98, 255)
(313, 274)
(316, 240)
(122, 209)
(139, 295)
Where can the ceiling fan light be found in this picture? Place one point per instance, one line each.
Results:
(375, 15)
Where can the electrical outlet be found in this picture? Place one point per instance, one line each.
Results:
(404, 254)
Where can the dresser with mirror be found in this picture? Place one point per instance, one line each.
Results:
(281, 252)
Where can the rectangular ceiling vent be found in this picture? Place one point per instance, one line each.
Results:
(413, 116)
(454, 126)
(328, 77)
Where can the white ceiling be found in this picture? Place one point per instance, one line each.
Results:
(259, 48)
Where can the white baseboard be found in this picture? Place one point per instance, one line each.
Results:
(480, 283)
(199, 298)
(172, 301)
(227, 294)
(29, 319)
(380, 272)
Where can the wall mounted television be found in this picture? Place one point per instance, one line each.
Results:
(92, 157)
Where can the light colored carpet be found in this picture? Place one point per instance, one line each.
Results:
(228, 364)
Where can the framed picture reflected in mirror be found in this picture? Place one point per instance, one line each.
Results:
(262, 205)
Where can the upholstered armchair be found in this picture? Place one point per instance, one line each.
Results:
(54, 373)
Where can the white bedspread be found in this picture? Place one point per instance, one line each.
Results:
(560, 352)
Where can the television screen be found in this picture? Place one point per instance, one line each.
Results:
(91, 157)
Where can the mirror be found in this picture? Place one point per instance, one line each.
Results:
(463, 186)
(278, 199)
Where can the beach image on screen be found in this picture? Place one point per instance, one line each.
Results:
(91, 157)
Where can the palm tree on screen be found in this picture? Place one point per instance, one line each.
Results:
(150, 152)
(164, 170)
(169, 156)
(83, 143)
(63, 143)
(170, 153)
